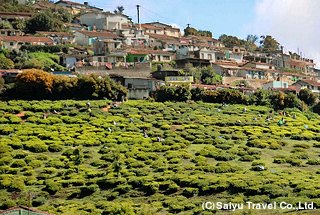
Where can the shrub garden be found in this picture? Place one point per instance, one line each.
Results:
(144, 157)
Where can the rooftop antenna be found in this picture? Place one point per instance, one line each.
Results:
(138, 10)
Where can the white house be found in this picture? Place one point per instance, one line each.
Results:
(275, 84)
(15, 42)
(312, 85)
(105, 20)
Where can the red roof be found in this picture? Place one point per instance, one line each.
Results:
(145, 51)
(99, 34)
(310, 82)
(290, 88)
(63, 34)
(69, 2)
(164, 37)
(19, 207)
(26, 39)
(11, 14)
(151, 27)
(204, 38)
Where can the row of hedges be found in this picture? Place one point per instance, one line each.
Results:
(48, 49)
(37, 84)
(277, 100)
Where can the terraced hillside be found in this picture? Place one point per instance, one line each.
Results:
(144, 157)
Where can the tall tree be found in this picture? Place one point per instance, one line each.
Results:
(119, 9)
(19, 24)
(40, 22)
(250, 42)
(190, 31)
(268, 43)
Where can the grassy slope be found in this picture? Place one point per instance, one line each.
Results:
(190, 153)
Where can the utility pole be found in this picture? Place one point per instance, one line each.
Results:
(138, 10)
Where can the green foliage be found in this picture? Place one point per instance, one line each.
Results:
(44, 61)
(268, 43)
(44, 50)
(6, 63)
(201, 154)
(5, 25)
(308, 97)
(40, 22)
(230, 41)
(190, 31)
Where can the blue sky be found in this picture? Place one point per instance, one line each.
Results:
(293, 23)
(219, 17)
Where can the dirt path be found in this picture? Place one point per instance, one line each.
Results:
(106, 109)
(21, 114)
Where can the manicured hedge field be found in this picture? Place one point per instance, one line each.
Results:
(111, 160)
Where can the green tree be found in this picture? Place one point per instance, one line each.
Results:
(5, 25)
(190, 31)
(250, 42)
(40, 22)
(204, 33)
(5, 63)
(308, 97)
(119, 9)
(19, 24)
(268, 43)
(230, 41)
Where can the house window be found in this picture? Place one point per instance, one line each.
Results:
(2, 32)
(209, 56)
(155, 31)
(270, 67)
(284, 85)
(11, 43)
(166, 57)
(202, 56)
(99, 59)
(218, 58)
(236, 50)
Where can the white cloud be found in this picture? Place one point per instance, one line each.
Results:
(293, 23)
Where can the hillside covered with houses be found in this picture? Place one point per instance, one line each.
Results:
(84, 39)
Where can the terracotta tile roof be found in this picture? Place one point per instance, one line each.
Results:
(204, 38)
(19, 207)
(145, 51)
(15, 14)
(26, 39)
(151, 27)
(73, 24)
(70, 2)
(290, 88)
(310, 82)
(62, 34)
(99, 34)
(164, 37)
(258, 63)
(295, 63)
